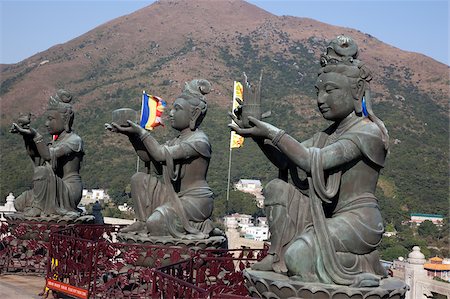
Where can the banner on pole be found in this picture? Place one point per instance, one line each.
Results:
(236, 140)
(151, 112)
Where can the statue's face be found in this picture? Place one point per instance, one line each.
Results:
(54, 122)
(334, 96)
(180, 114)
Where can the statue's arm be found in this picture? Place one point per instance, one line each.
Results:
(183, 151)
(38, 147)
(156, 151)
(30, 146)
(139, 147)
(29, 136)
(143, 154)
(339, 153)
(334, 155)
(148, 151)
(275, 156)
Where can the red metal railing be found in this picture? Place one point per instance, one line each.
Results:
(85, 257)
(24, 246)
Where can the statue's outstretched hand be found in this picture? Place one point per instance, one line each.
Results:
(133, 128)
(30, 132)
(258, 129)
(110, 127)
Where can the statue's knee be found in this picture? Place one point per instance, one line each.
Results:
(156, 224)
(274, 185)
(295, 251)
(137, 179)
(138, 176)
(41, 173)
(276, 192)
(23, 201)
(299, 257)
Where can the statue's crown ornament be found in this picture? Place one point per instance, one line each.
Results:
(61, 100)
(197, 88)
(342, 49)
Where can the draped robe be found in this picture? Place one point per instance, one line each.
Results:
(180, 214)
(328, 217)
(56, 190)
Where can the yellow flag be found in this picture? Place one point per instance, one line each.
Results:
(236, 140)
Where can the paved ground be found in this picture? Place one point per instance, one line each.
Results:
(21, 287)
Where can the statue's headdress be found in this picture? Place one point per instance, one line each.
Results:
(341, 57)
(194, 92)
(197, 89)
(61, 102)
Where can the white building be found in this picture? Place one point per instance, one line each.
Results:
(125, 208)
(261, 221)
(92, 196)
(258, 233)
(8, 208)
(253, 187)
(418, 218)
(390, 234)
(260, 200)
(249, 186)
(237, 220)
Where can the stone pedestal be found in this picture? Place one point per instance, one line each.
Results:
(262, 284)
(414, 271)
(213, 242)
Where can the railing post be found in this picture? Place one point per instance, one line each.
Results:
(94, 287)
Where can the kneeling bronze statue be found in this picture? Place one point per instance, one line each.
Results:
(57, 186)
(325, 222)
(179, 205)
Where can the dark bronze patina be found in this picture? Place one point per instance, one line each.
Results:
(57, 186)
(325, 222)
(179, 205)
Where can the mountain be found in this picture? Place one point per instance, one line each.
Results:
(163, 45)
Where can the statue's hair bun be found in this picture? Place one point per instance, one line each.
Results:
(198, 87)
(64, 96)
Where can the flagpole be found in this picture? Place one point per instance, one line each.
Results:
(140, 118)
(228, 185)
(237, 93)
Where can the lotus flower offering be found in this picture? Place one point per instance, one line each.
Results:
(120, 116)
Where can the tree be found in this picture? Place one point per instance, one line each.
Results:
(428, 229)
(241, 202)
(392, 253)
(390, 227)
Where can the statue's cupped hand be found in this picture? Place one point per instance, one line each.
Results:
(258, 129)
(131, 129)
(15, 128)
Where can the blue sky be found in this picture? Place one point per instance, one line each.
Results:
(31, 26)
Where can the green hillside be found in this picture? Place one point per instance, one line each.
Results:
(414, 180)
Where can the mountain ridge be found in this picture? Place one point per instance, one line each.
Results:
(125, 37)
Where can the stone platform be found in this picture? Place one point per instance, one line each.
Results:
(262, 284)
(213, 242)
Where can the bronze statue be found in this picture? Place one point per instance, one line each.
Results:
(57, 186)
(181, 204)
(326, 224)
